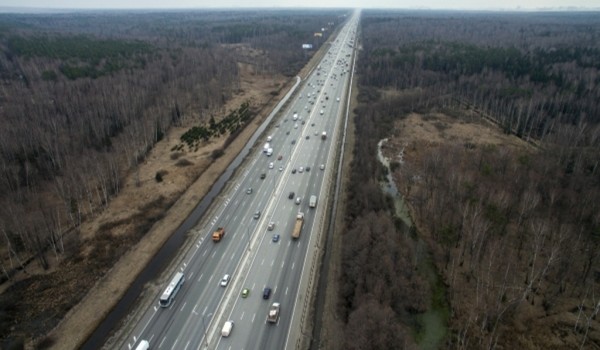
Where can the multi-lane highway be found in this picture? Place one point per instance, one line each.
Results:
(302, 163)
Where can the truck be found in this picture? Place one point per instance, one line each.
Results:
(324, 135)
(218, 234)
(313, 201)
(298, 225)
(273, 315)
(226, 330)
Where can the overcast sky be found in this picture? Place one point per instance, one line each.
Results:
(409, 4)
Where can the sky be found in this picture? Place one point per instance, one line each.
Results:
(406, 4)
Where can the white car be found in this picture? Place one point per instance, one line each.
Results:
(298, 200)
(271, 165)
(322, 167)
(301, 169)
(225, 280)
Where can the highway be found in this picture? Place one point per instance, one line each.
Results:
(302, 162)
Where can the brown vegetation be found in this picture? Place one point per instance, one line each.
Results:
(79, 129)
(513, 227)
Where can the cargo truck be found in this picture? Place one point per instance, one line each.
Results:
(313, 201)
(298, 225)
(218, 234)
(273, 315)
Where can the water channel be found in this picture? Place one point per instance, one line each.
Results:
(432, 330)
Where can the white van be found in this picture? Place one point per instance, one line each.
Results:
(227, 327)
(143, 345)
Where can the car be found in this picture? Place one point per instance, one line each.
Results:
(280, 157)
(271, 165)
(266, 293)
(271, 226)
(307, 137)
(313, 124)
(280, 168)
(245, 292)
(225, 280)
(291, 195)
(262, 176)
(294, 171)
(307, 168)
(249, 190)
(257, 215)
(303, 122)
(287, 133)
(298, 200)
(293, 142)
(276, 238)
(301, 169)
(295, 126)
(316, 133)
(322, 167)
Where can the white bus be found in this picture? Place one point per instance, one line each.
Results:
(143, 345)
(169, 294)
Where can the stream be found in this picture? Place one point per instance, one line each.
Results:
(432, 328)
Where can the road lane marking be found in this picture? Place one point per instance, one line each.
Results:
(253, 317)
(191, 275)
(242, 316)
(206, 251)
(213, 254)
(183, 306)
(286, 290)
(199, 278)
(262, 262)
(186, 345)
(293, 264)
(204, 312)
(162, 341)
(272, 262)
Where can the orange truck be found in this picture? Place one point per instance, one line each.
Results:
(218, 234)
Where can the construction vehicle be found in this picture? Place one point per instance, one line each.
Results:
(218, 234)
(298, 225)
(273, 315)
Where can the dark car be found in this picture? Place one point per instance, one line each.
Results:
(293, 142)
(307, 168)
(291, 195)
(266, 293)
(263, 176)
(294, 171)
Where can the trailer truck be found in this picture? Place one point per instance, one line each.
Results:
(298, 225)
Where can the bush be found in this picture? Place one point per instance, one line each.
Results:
(183, 162)
(160, 174)
(217, 153)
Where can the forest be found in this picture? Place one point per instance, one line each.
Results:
(84, 97)
(514, 233)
